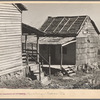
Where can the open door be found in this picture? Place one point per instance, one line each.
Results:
(52, 52)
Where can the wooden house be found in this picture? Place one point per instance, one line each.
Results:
(69, 40)
(10, 37)
(11, 31)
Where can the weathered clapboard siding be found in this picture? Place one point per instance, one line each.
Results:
(10, 39)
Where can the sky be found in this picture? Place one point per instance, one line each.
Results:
(37, 13)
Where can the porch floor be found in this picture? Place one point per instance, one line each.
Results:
(58, 66)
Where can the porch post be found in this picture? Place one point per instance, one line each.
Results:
(49, 62)
(38, 58)
(61, 58)
(37, 48)
(26, 50)
(25, 42)
(27, 58)
(32, 48)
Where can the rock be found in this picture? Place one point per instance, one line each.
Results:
(60, 74)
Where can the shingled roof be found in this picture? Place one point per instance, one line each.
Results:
(63, 26)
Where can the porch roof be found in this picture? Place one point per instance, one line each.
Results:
(29, 30)
(55, 40)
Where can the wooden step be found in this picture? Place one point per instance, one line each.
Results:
(23, 54)
(72, 74)
(33, 67)
(36, 72)
(69, 70)
(24, 58)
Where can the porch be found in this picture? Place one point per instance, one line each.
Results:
(58, 51)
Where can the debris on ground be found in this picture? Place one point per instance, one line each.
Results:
(81, 80)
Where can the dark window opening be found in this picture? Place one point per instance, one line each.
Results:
(64, 50)
(99, 52)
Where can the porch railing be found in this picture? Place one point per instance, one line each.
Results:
(40, 63)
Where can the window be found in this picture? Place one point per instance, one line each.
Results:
(64, 50)
(99, 52)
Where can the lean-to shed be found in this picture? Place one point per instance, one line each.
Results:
(69, 40)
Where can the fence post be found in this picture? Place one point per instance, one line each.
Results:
(49, 63)
(39, 72)
(61, 58)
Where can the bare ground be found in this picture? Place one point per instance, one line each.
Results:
(81, 80)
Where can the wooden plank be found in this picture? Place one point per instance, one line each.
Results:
(11, 29)
(15, 32)
(9, 19)
(8, 51)
(6, 56)
(6, 9)
(11, 62)
(10, 47)
(10, 37)
(9, 34)
(7, 46)
(10, 16)
(16, 59)
(9, 12)
(10, 40)
(3, 45)
(11, 70)
(6, 5)
(9, 66)
(10, 59)
(10, 24)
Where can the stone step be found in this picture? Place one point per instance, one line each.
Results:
(42, 75)
(45, 81)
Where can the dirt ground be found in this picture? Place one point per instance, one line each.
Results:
(81, 80)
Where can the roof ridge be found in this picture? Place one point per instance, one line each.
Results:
(67, 16)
